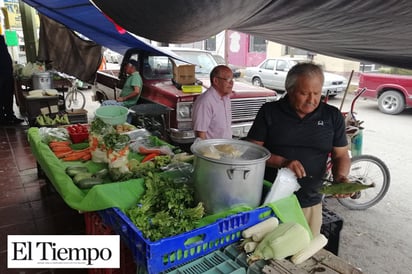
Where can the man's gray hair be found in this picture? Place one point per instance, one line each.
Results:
(307, 69)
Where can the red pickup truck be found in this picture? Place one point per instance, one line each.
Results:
(158, 89)
(393, 92)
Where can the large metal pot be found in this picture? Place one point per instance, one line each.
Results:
(228, 178)
(42, 80)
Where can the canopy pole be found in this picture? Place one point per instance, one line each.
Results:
(346, 91)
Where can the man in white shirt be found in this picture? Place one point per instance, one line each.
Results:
(212, 112)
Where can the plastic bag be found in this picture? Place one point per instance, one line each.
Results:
(48, 134)
(221, 150)
(285, 184)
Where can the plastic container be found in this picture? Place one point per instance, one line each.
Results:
(174, 251)
(216, 262)
(113, 115)
(331, 226)
(95, 226)
(356, 144)
(79, 137)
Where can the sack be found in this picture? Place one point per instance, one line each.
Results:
(285, 184)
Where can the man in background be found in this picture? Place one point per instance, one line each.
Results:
(212, 112)
(7, 116)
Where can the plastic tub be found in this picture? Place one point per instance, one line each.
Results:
(113, 115)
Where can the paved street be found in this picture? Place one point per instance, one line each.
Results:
(379, 239)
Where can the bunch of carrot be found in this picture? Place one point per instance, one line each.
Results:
(63, 151)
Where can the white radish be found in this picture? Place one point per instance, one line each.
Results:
(314, 246)
(250, 247)
(261, 228)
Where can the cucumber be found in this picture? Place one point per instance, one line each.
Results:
(89, 182)
(73, 170)
(101, 173)
(80, 176)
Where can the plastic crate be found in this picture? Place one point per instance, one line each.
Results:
(236, 253)
(95, 226)
(216, 262)
(173, 251)
(331, 227)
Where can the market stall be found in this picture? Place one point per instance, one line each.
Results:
(107, 204)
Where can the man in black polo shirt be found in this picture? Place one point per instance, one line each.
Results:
(300, 131)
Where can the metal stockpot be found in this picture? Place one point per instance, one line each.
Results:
(230, 180)
(42, 80)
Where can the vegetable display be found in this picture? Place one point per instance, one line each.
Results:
(285, 240)
(85, 179)
(166, 208)
(314, 246)
(98, 129)
(46, 120)
(258, 231)
(78, 133)
(117, 153)
(64, 151)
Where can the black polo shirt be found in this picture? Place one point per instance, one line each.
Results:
(308, 140)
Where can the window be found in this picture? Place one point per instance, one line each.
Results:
(281, 65)
(269, 64)
(158, 67)
(210, 44)
(257, 44)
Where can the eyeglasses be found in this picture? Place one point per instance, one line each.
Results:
(228, 80)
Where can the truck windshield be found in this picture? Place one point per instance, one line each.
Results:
(160, 67)
(204, 61)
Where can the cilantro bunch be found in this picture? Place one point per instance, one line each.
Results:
(166, 209)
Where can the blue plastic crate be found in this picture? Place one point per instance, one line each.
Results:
(214, 263)
(176, 250)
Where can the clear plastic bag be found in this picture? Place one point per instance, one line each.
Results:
(222, 151)
(48, 134)
(285, 184)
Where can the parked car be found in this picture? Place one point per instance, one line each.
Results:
(393, 92)
(271, 73)
(221, 61)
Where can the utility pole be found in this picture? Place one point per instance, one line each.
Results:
(29, 31)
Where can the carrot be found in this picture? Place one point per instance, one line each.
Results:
(71, 158)
(143, 150)
(62, 154)
(59, 143)
(61, 149)
(75, 156)
(94, 143)
(87, 149)
(150, 157)
(86, 157)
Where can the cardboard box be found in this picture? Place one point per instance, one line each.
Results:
(184, 74)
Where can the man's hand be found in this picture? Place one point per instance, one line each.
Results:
(296, 167)
(343, 179)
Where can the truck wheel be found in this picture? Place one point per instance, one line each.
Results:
(100, 97)
(257, 82)
(391, 102)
